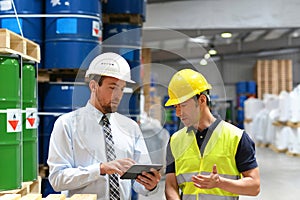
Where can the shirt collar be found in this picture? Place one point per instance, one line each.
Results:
(214, 124)
(97, 113)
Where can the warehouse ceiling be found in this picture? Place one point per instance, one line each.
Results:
(252, 33)
(165, 42)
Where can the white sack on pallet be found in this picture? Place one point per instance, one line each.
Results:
(271, 101)
(294, 106)
(252, 107)
(284, 106)
(248, 127)
(282, 135)
(294, 141)
(260, 126)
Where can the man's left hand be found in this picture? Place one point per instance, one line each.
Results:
(149, 180)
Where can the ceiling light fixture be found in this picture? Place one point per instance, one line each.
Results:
(226, 35)
(203, 62)
(212, 52)
(207, 56)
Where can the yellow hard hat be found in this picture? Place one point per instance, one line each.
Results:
(184, 85)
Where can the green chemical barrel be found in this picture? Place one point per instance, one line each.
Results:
(29, 127)
(10, 124)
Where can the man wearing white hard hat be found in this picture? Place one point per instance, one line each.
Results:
(82, 158)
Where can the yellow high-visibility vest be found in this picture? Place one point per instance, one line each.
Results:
(220, 148)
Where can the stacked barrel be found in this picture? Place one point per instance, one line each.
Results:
(244, 90)
(122, 33)
(73, 38)
(18, 110)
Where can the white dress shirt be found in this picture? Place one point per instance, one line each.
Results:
(77, 147)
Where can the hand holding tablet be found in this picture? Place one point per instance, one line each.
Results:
(137, 169)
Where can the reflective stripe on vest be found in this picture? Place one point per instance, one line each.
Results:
(220, 146)
(207, 197)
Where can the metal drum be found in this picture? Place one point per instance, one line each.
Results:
(31, 26)
(59, 98)
(10, 124)
(125, 39)
(30, 121)
(125, 7)
(73, 33)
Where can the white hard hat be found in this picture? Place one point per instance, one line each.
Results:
(110, 64)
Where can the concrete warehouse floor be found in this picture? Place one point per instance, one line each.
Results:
(280, 177)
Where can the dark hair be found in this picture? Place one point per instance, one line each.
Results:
(206, 93)
(98, 79)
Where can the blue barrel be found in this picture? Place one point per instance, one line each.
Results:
(130, 105)
(124, 34)
(251, 87)
(72, 35)
(135, 70)
(125, 7)
(240, 115)
(241, 101)
(241, 87)
(31, 26)
(58, 98)
(125, 40)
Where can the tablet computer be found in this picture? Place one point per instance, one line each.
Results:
(137, 169)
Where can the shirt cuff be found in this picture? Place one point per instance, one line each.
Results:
(94, 170)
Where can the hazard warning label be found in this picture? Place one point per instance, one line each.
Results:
(14, 123)
(31, 118)
(96, 32)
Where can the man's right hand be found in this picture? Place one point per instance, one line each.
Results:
(116, 166)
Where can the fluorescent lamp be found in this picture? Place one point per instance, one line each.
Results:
(226, 35)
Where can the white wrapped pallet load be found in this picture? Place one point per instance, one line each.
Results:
(273, 117)
(271, 101)
(260, 124)
(282, 135)
(248, 127)
(252, 107)
(294, 141)
(294, 107)
(284, 104)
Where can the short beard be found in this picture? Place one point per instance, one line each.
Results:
(110, 109)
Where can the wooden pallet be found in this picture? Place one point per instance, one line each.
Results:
(293, 124)
(273, 76)
(60, 75)
(12, 43)
(27, 187)
(262, 145)
(278, 123)
(275, 149)
(43, 171)
(292, 154)
(49, 197)
(122, 18)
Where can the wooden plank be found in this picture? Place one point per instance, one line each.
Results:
(12, 43)
(32, 197)
(122, 18)
(84, 197)
(56, 197)
(275, 149)
(11, 197)
(293, 124)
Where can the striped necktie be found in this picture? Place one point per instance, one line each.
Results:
(114, 188)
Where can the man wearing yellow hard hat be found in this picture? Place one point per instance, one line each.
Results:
(208, 158)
